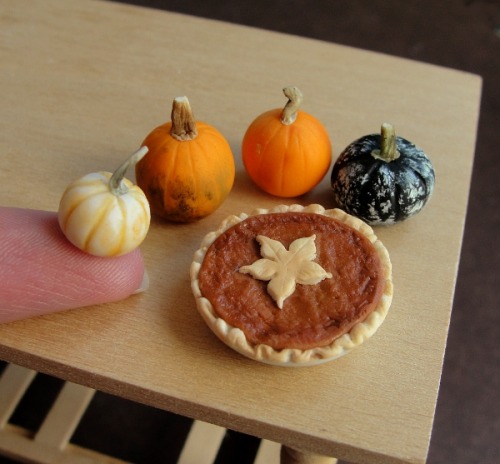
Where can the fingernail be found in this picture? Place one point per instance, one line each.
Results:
(144, 284)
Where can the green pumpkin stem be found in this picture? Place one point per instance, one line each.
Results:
(388, 149)
(116, 184)
(183, 122)
(289, 114)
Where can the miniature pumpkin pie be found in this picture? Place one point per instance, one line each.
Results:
(292, 285)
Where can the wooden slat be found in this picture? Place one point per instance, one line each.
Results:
(202, 444)
(63, 418)
(268, 452)
(293, 456)
(14, 382)
(17, 443)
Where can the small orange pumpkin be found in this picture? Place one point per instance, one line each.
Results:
(287, 152)
(189, 169)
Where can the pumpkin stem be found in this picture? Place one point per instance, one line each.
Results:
(388, 149)
(116, 184)
(289, 114)
(183, 123)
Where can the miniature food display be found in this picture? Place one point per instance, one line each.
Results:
(292, 285)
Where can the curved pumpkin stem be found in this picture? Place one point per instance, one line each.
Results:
(183, 123)
(116, 184)
(295, 97)
(388, 149)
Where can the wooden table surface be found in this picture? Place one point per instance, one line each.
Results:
(83, 82)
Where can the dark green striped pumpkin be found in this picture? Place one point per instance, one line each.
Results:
(382, 178)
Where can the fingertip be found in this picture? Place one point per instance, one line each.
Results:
(144, 286)
(121, 276)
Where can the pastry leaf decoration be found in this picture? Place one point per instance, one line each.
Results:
(285, 268)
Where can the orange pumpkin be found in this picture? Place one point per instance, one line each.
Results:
(189, 169)
(287, 152)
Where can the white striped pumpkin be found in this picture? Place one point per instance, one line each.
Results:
(103, 213)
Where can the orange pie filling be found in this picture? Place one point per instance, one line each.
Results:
(292, 280)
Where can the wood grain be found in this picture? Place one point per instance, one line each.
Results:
(83, 82)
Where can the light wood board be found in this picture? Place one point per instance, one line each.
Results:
(83, 82)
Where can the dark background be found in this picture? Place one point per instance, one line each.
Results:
(463, 35)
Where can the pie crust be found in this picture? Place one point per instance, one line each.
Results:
(355, 336)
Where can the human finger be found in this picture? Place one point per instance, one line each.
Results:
(41, 272)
